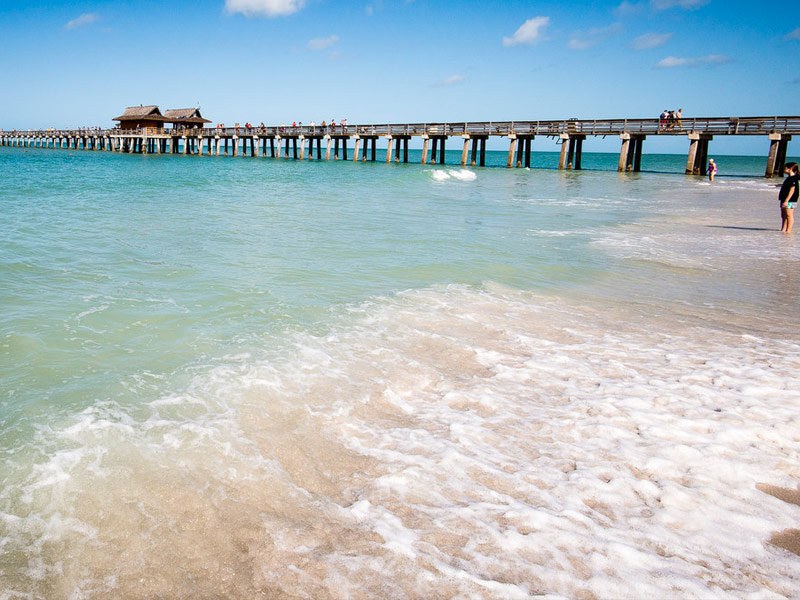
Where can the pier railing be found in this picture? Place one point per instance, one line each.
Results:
(594, 127)
(571, 134)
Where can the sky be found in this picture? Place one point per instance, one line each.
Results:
(69, 64)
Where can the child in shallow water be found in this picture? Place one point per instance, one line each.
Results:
(712, 169)
(790, 190)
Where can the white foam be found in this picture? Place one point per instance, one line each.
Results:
(463, 174)
(449, 442)
(459, 174)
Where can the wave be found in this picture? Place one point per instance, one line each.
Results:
(443, 442)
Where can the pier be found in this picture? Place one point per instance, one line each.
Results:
(333, 142)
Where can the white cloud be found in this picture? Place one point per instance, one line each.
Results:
(710, 59)
(264, 8)
(452, 80)
(628, 9)
(580, 40)
(322, 43)
(793, 35)
(529, 33)
(84, 19)
(687, 4)
(650, 40)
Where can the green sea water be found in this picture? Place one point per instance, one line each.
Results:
(161, 313)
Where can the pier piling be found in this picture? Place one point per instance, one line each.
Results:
(776, 159)
(698, 153)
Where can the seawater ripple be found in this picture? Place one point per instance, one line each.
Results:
(367, 380)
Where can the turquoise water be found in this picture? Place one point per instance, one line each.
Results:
(216, 356)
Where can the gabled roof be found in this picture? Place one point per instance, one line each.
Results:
(131, 113)
(180, 113)
(184, 115)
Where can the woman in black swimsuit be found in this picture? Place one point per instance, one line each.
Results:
(788, 196)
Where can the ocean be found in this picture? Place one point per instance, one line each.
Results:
(258, 378)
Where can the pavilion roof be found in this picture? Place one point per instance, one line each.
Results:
(184, 115)
(149, 112)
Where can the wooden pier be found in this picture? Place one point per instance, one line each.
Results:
(331, 142)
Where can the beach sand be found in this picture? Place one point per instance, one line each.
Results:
(788, 539)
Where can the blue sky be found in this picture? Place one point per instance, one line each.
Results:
(81, 63)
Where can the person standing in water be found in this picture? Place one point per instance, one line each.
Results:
(790, 190)
(712, 169)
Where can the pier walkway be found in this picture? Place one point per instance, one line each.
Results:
(306, 142)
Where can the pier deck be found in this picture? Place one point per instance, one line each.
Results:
(300, 142)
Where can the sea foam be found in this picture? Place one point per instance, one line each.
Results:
(446, 442)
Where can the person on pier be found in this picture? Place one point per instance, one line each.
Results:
(790, 190)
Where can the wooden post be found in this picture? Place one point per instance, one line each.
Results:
(357, 147)
(703, 157)
(425, 141)
(465, 150)
(405, 149)
(328, 147)
(776, 159)
(344, 148)
(631, 153)
(389, 146)
(578, 152)
(336, 148)
(528, 143)
(512, 146)
(694, 142)
(637, 160)
(571, 154)
(302, 147)
(562, 159)
(625, 152)
(397, 150)
(698, 153)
